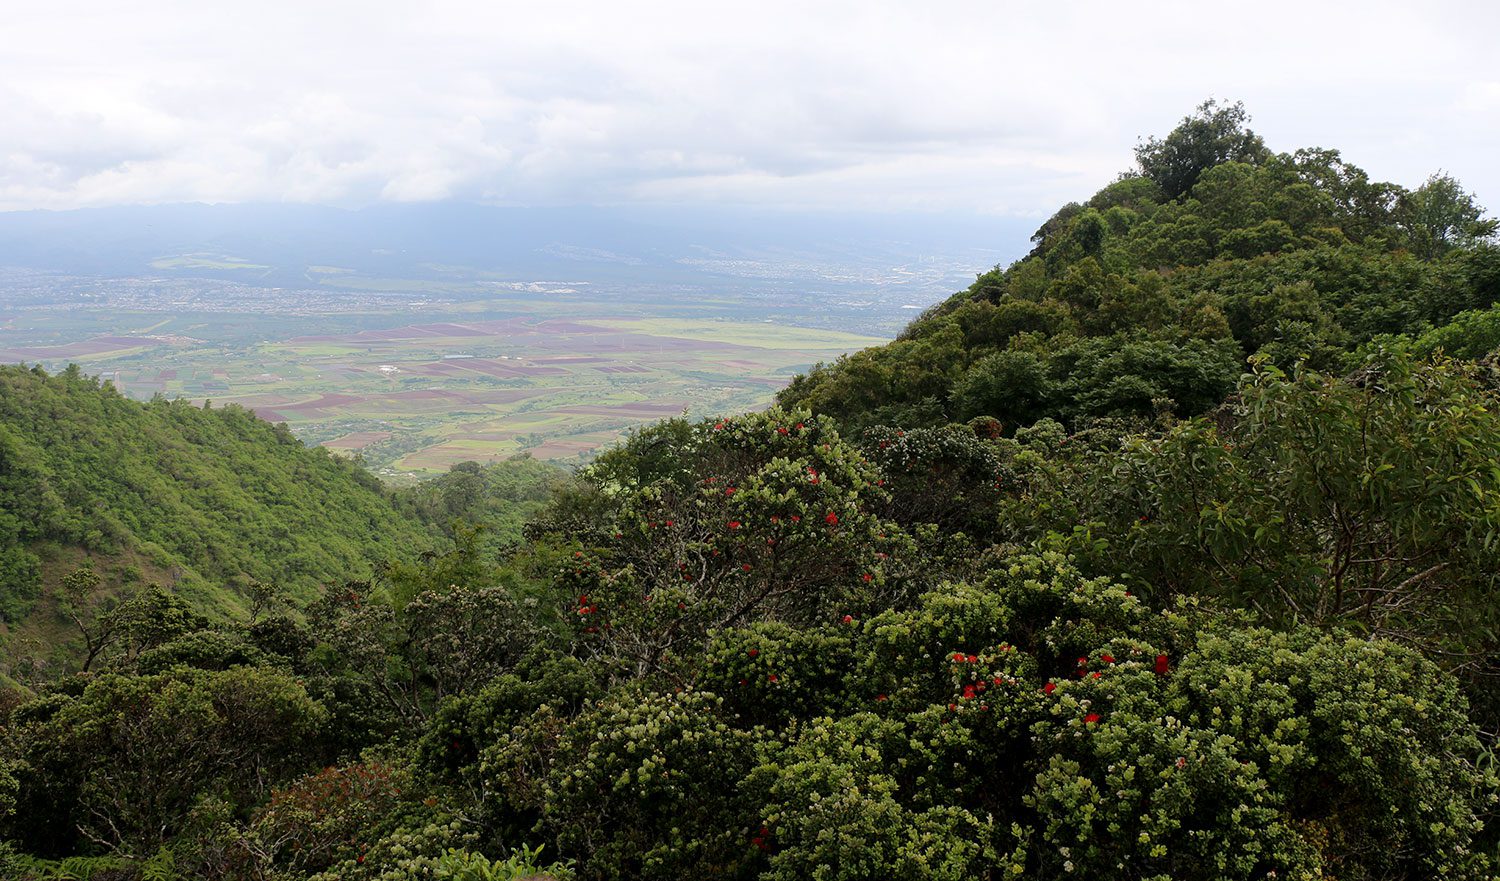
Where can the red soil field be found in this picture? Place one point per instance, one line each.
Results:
(357, 440)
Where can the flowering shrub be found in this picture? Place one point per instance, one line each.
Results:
(641, 785)
(766, 516)
(837, 804)
(1035, 724)
(320, 819)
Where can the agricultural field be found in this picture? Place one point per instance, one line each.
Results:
(416, 387)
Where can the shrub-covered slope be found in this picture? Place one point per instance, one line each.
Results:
(208, 498)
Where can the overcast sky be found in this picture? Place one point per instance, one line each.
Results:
(990, 106)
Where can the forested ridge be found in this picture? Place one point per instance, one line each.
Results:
(210, 500)
(1169, 551)
(1151, 297)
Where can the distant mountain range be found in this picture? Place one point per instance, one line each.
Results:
(288, 245)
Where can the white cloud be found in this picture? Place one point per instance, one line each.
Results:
(884, 104)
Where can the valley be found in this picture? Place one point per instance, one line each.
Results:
(414, 387)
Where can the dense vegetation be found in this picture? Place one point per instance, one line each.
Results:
(1168, 552)
(210, 500)
(1150, 297)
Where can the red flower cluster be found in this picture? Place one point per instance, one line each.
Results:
(832, 519)
(761, 838)
(1163, 667)
(1091, 718)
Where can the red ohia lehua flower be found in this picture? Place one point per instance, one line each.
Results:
(848, 619)
(832, 519)
(759, 839)
(1108, 659)
(1049, 688)
(1163, 667)
(753, 652)
(781, 431)
(734, 524)
(745, 566)
(1091, 718)
(771, 678)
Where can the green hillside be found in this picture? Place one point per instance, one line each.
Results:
(1151, 296)
(207, 500)
(1170, 552)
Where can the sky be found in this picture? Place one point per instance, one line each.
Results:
(944, 106)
